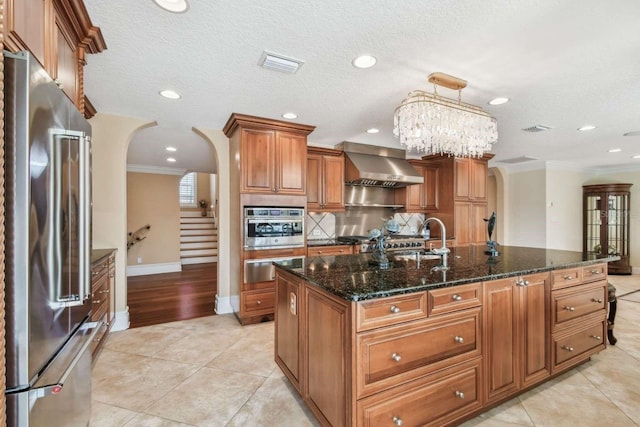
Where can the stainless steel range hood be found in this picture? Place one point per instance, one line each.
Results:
(374, 166)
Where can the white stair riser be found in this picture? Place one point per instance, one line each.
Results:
(198, 232)
(199, 238)
(197, 226)
(198, 245)
(198, 252)
(201, 220)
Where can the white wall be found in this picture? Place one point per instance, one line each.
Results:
(110, 140)
(525, 206)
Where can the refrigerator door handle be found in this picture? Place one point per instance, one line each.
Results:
(78, 298)
(44, 387)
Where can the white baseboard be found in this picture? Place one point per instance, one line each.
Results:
(121, 321)
(225, 305)
(635, 270)
(144, 269)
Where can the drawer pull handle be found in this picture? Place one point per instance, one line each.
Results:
(567, 348)
(522, 283)
(595, 272)
(96, 301)
(598, 300)
(459, 394)
(568, 308)
(568, 277)
(394, 309)
(456, 297)
(104, 291)
(459, 339)
(397, 420)
(96, 340)
(396, 357)
(596, 337)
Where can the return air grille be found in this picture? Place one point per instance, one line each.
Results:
(280, 63)
(537, 128)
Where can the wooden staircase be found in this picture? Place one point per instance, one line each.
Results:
(198, 238)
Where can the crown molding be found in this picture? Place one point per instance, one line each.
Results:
(159, 170)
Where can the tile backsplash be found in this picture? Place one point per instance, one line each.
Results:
(322, 225)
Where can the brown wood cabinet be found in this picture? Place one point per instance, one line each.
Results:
(273, 162)
(102, 298)
(325, 180)
(462, 197)
(329, 250)
(59, 34)
(516, 334)
(421, 197)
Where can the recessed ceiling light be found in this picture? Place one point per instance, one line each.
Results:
(167, 93)
(615, 150)
(290, 115)
(171, 160)
(175, 6)
(498, 101)
(587, 127)
(364, 61)
(636, 156)
(634, 133)
(171, 149)
(373, 130)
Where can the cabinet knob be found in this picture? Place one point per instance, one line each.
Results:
(258, 302)
(598, 300)
(456, 297)
(397, 420)
(595, 272)
(341, 250)
(459, 339)
(319, 252)
(394, 309)
(568, 308)
(596, 337)
(396, 357)
(522, 282)
(567, 277)
(96, 301)
(567, 348)
(459, 394)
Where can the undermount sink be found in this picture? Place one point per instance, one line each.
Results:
(411, 256)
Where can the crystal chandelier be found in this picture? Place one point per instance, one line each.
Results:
(432, 124)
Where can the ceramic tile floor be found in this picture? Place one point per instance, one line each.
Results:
(213, 372)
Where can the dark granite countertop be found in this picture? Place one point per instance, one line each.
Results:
(352, 277)
(99, 254)
(325, 242)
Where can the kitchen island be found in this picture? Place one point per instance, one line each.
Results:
(413, 345)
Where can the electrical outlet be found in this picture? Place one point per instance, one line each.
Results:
(139, 260)
(293, 303)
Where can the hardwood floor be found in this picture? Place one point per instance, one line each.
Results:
(162, 298)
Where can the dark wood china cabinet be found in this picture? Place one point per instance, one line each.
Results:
(606, 212)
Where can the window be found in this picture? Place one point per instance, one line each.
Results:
(188, 190)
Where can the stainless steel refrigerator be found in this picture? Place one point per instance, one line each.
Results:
(48, 243)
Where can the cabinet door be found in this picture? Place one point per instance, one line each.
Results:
(534, 313)
(462, 219)
(462, 177)
(25, 26)
(65, 66)
(257, 157)
(287, 333)
(478, 231)
(430, 187)
(478, 171)
(333, 183)
(500, 339)
(314, 182)
(291, 163)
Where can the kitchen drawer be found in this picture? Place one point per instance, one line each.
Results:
(98, 342)
(401, 353)
(591, 273)
(578, 344)
(566, 277)
(446, 300)
(99, 270)
(573, 303)
(390, 311)
(257, 302)
(259, 286)
(329, 250)
(433, 400)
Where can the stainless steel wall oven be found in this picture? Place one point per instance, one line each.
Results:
(273, 227)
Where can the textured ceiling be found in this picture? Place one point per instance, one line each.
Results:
(564, 64)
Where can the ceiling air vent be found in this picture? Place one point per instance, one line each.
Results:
(520, 159)
(537, 128)
(281, 63)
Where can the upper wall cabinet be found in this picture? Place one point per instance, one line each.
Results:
(325, 180)
(421, 197)
(59, 33)
(273, 155)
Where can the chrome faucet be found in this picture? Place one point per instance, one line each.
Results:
(442, 251)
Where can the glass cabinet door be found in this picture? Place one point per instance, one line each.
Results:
(593, 223)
